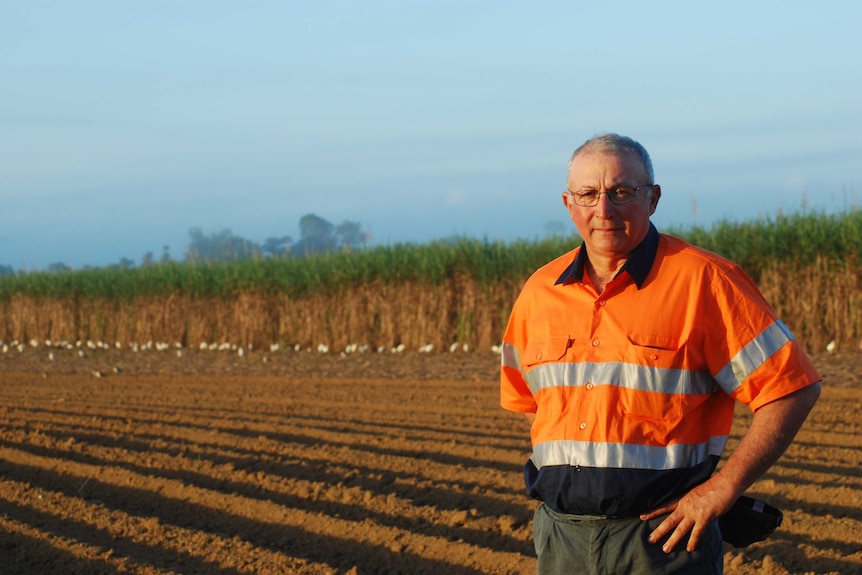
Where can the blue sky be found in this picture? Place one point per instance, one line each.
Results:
(125, 124)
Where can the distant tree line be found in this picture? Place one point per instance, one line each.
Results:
(316, 235)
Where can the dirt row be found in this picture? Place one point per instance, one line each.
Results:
(383, 464)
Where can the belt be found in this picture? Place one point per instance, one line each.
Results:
(578, 518)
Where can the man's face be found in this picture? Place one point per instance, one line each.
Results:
(608, 230)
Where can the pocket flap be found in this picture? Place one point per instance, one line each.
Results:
(545, 350)
(655, 341)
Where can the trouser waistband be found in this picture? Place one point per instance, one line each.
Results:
(577, 518)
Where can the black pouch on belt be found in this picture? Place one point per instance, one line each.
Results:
(749, 521)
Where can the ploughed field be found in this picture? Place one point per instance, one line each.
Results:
(305, 463)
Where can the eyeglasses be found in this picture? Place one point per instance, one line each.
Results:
(617, 196)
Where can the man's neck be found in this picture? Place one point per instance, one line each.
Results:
(603, 270)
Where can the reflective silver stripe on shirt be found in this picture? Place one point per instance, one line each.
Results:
(627, 375)
(510, 356)
(625, 455)
(753, 355)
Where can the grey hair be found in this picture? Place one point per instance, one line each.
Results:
(616, 145)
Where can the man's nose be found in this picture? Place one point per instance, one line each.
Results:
(605, 208)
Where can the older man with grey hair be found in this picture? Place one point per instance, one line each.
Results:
(627, 355)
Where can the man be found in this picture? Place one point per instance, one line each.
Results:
(627, 355)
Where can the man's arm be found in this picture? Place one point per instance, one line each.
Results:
(772, 430)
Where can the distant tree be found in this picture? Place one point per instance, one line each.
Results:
(123, 264)
(276, 247)
(148, 259)
(316, 235)
(220, 246)
(350, 235)
(166, 255)
(58, 268)
(6, 271)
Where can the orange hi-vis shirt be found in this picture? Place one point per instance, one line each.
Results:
(634, 388)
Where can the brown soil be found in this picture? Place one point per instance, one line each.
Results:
(361, 464)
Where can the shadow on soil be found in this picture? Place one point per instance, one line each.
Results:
(337, 552)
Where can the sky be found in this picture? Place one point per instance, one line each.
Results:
(125, 124)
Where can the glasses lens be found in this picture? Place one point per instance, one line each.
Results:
(621, 195)
(586, 199)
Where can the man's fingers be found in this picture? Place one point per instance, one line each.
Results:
(678, 535)
(678, 530)
(663, 528)
(694, 538)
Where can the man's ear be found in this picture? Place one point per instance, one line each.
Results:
(654, 198)
(566, 197)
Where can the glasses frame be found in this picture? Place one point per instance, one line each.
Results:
(609, 193)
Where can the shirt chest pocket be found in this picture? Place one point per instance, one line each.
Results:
(656, 349)
(545, 350)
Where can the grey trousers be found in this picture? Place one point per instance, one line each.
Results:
(571, 544)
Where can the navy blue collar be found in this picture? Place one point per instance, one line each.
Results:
(638, 264)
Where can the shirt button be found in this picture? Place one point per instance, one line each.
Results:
(583, 426)
(589, 385)
(602, 302)
(538, 356)
(595, 342)
(654, 357)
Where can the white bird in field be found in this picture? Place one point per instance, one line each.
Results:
(453, 347)
(51, 356)
(323, 348)
(426, 348)
(830, 347)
